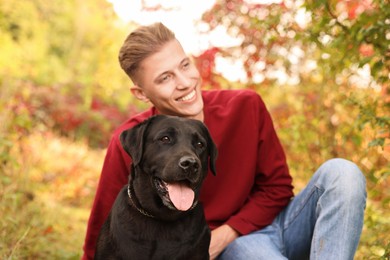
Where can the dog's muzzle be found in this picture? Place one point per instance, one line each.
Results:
(176, 195)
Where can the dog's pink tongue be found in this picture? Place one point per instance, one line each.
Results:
(181, 195)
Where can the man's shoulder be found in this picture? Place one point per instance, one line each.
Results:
(236, 96)
(133, 121)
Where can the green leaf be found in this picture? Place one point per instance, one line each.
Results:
(377, 142)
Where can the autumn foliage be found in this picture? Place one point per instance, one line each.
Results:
(322, 68)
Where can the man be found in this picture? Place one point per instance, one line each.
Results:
(248, 205)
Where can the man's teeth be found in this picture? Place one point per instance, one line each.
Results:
(188, 97)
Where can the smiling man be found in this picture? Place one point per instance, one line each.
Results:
(249, 204)
(170, 81)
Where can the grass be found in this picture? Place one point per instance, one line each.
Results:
(46, 198)
(47, 192)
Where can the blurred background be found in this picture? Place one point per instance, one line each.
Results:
(322, 68)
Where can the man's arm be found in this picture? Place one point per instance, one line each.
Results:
(272, 188)
(113, 177)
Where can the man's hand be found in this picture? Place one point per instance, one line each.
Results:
(220, 238)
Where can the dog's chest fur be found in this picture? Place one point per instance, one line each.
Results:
(150, 238)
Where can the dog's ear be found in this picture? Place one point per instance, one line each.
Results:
(212, 150)
(132, 140)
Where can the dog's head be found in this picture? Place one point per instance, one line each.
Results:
(170, 158)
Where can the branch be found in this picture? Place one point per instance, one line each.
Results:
(345, 28)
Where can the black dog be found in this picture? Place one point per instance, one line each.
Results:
(157, 215)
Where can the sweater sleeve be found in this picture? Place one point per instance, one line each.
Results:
(272, 188)
(113, 177)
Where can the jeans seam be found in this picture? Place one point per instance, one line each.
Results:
(281, 237)
(300, 208)
(313, 246)
(314, 191)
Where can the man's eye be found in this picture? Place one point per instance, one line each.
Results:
(186, 65)
(165, 139)
(165, 78)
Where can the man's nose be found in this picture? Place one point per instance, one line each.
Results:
(183, 80)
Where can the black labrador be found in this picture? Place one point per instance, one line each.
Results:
(157, 215)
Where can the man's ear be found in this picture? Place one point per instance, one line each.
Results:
(139, 93)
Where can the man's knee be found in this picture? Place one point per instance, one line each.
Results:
(345, 177)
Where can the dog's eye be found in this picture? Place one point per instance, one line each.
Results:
(199, 145)
(165, 139)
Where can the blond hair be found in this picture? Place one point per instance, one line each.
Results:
(140, 44)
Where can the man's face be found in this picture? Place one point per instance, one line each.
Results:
(171, 82)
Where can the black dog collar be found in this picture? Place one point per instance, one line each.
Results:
(143, 212)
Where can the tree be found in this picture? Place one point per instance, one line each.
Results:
(323, 68)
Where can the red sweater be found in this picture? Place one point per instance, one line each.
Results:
(252, 184)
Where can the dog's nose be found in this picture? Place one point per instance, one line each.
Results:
(188, 163)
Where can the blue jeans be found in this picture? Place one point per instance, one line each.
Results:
(323, 222)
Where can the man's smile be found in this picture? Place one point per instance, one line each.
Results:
(188, 97)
